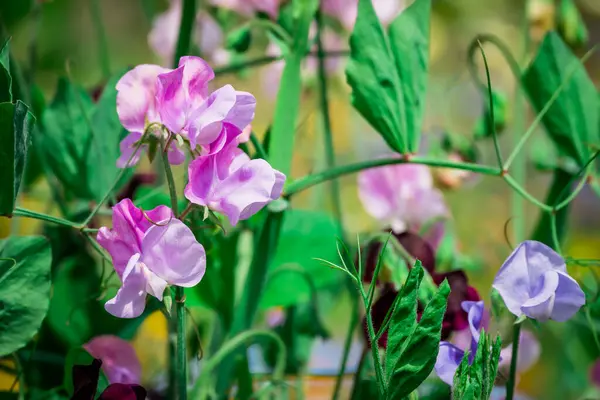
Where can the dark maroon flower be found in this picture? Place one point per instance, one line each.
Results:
(85, 383)
(455, 318)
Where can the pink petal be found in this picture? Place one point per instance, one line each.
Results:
(207, 121)
(127, 146)
(130, 300)
(119, 360)
(165, 31)
(172, 253)
(135, 97)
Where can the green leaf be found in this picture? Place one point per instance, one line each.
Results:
(16, 123)
(572, 122)
(416, 358)
(305, 236)
(409, 42)
(24, 289)
(404, 318)
(81, 139)
(388, 76)
(5, 77)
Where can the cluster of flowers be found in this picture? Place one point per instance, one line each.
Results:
(533, 281)
(153, 249)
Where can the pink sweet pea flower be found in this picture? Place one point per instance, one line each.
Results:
(248, 8)
(186, 107)
(119, 361)
(130, 143)
(401, 196)
(230, 183)
(150, 250)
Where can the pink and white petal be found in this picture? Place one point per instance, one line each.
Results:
(119, 360)
(155, 286)
(135, 97)
(120, 251)
(196, 75)
(130, 300)
(165, 30)
(171, 100)
(202, 174)
(127, 147)
(176, 155)
(208, 34)
(173, 254)
(206, 122)
(157, 215)
(245, 135)
(245, 191)
(376, 194)
(242, 114)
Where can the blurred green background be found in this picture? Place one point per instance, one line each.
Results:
(63, 31)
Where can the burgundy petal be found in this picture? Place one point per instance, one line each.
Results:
(85, 380)
(123, 391)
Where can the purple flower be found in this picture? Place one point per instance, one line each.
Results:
(401, 196)
(230, 183)
(533, 281)
(185, 106)
(119, 361)
(150, 250)
(450, 356)
(130, 142)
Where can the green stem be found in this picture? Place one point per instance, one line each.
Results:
(347, 344)
(170, 179)
(510, 385)
(311, 180)
(520, 191)
(96, 11)
(231, 347)
(181, 364)
(188, 16)
(23, 212)
(260, 150)
(324, 97)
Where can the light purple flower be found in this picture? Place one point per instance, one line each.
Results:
(185, 106)
(230, 183)
(130, 142)
(119, 361)
(150, 250)
(533, 281)
(450, 355)
(346, 10)
(249, 7)
(206, 34)
(528, 353)
(401, 196)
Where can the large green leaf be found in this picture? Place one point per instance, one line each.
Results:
(5, 77)
(573, 119)
(414, 345)
(16, 123)
(305, 236)
(24, 289)
(409, 42)
(388, 75)
(81, 140)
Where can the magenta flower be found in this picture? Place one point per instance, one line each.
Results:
(186, 107)
(450, 356)
(248, 8)
(401, 196)
(230, 183)
(119, 361)
(533, 281)
(150, 250)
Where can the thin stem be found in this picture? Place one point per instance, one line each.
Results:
(188, 15)
(554, 229)
(546, 108)
(347, 345)
(260, 150)
(492, 120)
(328, 136)
(314, 179)
(181, 364)
(526, 195)
(170, 179)
(586, 173)
(23, 212)
(96, 12)
(510, 385)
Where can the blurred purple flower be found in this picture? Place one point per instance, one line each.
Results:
(206, 34)
(401, 196)
(529, 353)
(533, 281)
(119, 361)
(85, 384)
(185, 106)
(346, 10)
(248, 8)
(129, 144)
(149, 251)
(230, 183)
(450, 356)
